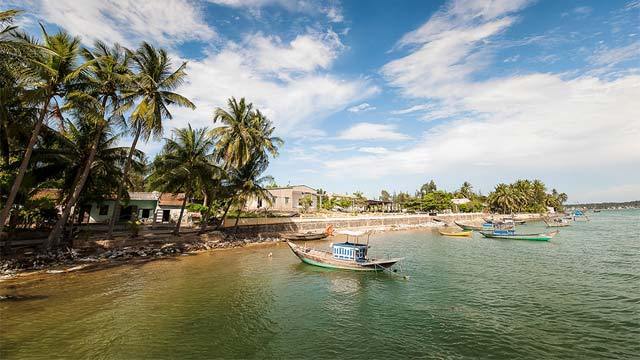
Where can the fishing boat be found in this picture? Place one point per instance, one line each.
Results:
(578, 215)
(346, 255)
(305, 236)
(309, 235)
(512, 235)
(466, 226)
(455, 232)
(556, 222)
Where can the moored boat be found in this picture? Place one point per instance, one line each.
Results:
(346, 255)
(455, 232)
(512, 235)
(305, 236)
(556, 222)
(468, 226)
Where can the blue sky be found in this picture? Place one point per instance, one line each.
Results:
(373, 95)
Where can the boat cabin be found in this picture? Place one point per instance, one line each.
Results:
(349, 251)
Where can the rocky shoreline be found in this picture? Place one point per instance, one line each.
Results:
(69, 260)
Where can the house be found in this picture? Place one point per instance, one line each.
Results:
(142, 204)
(286, 199)
(168, 209)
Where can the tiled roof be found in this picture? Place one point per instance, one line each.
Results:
(140, 195)
(171, 199)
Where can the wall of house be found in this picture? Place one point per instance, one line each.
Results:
(95, 217)
(174, 213)
(284, 200)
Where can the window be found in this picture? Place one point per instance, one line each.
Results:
(286, 200)
(259, 203)
(145, 213)
(103, 210)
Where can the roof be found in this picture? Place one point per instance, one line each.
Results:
(171, 199)
(460, 201)
(142, 195)
(293, 187)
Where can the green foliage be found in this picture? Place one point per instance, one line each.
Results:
(134, 226)
(306, 202)
(384, 195)
(37, 213)
(524, 196)
(434, 200)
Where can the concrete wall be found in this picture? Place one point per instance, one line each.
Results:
(267, 225)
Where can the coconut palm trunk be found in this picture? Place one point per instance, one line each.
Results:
(54, 236)
(238, 217)
(24, 164)
(125, 173)
(184, 203)
(224, 214)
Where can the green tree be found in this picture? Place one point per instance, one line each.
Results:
(153, 87)
(466, 190)
(384, 195)
(185, 162)
(306, 202)
(97, 99)
(248, 182)
(50, 73)
(243, 133)
(428, 187)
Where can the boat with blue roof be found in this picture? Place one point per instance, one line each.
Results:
(345, 255)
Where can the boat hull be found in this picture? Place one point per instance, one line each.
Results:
(465, 233)
(302, 237)
(325, 259)
(531, 237)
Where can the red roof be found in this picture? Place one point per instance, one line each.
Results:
(171, 199)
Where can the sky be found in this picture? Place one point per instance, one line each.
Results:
(371, 95)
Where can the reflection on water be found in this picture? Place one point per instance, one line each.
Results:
(573, 297)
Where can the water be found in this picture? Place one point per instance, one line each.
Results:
(577, 296)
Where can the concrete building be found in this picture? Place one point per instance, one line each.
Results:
(168, 209)
(286, 199)
(148, 207)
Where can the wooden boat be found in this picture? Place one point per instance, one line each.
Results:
(556, 222)
(467, 226)
(309, 235)
(511, 235)
(346, 255)
(455, 232)
(305, 236)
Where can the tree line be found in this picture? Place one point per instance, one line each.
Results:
(64, 108)
(520, 196)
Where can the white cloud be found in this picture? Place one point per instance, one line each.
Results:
(331, 9)
(361, 108)
(127, 22)
(614, 56)
(292, 95)
(371, 131)
(303, 54)
(537, 122)
(374, 150)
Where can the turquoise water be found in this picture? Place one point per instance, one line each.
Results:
(577, 296)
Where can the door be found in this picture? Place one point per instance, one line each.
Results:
(166, 215)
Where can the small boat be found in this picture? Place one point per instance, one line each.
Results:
(467, 226)
(596, 210)
(305, 236)
(455, 233)
(556, 222)
(309, 235)
(346, 255)
(512, 235)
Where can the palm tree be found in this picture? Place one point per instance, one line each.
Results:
(52, 71)
(466, 190)
(185, 162)
(97, 99)
(249, 183)
(243, 133)
(153, 85)
(504, 199)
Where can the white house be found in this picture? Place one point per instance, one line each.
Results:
(286, 199)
